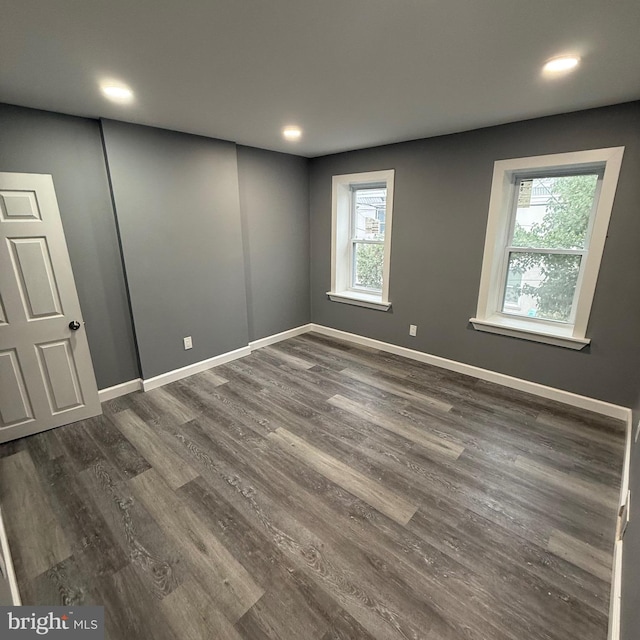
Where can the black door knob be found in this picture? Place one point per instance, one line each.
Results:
(74, 325)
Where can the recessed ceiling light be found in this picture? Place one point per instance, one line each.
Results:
(117, 92)
(563, 63)
(292, 133)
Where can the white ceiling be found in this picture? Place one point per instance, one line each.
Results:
(351, 73)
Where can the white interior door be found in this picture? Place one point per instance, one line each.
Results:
(46, 374)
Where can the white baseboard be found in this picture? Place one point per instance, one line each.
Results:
(543, 391)
(197, 367)
(177, 374)
(551, 393)
(120, 390)
(278, 337)
(8, 563)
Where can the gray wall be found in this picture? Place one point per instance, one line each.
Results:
(442, 189)
(184, 236)
(179, 195)
(177, 203)
(274, 202)
(70, 149)
(630, 612)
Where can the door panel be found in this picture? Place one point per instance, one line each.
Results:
(46, 373)
(34, 275)
(15, 407)
(60, 376)
(19, 205)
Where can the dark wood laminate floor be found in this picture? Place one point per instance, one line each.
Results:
(317, 490)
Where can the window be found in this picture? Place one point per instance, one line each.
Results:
(548, 220)
(368, 208)
(361, 239)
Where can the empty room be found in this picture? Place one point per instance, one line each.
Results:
(319, 320)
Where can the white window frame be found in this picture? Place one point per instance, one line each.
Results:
(342, 241)
(489, 316)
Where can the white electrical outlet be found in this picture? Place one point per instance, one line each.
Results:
(413, 329)
(188, 343)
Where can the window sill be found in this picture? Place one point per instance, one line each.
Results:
(370, 301)
(557, 336)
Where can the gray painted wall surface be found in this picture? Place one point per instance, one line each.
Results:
(630, 611)
(177, 203)
(274, 201)
(442, 189)
(70, 149)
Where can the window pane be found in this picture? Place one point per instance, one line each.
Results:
(553, 213)
(367, 266)
(541, 285)
(369, 214)
(513, 290)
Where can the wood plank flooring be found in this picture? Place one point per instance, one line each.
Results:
(320, 491)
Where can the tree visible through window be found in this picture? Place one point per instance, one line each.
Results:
(550, 238)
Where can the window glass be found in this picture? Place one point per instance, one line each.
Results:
(541, 285)
(554, 212)
(513, 289)
(370, 206)
(552, 215)
(368, 261)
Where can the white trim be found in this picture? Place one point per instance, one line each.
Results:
(515, 329)
(543, 391)
(616, 577)
(500, 208)
(196, 367)
(369, 301)
(616, 593)
(109, 393)
(624, 485)
(340, 236)
(613, 159)
(278, 337)
(8, 562)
